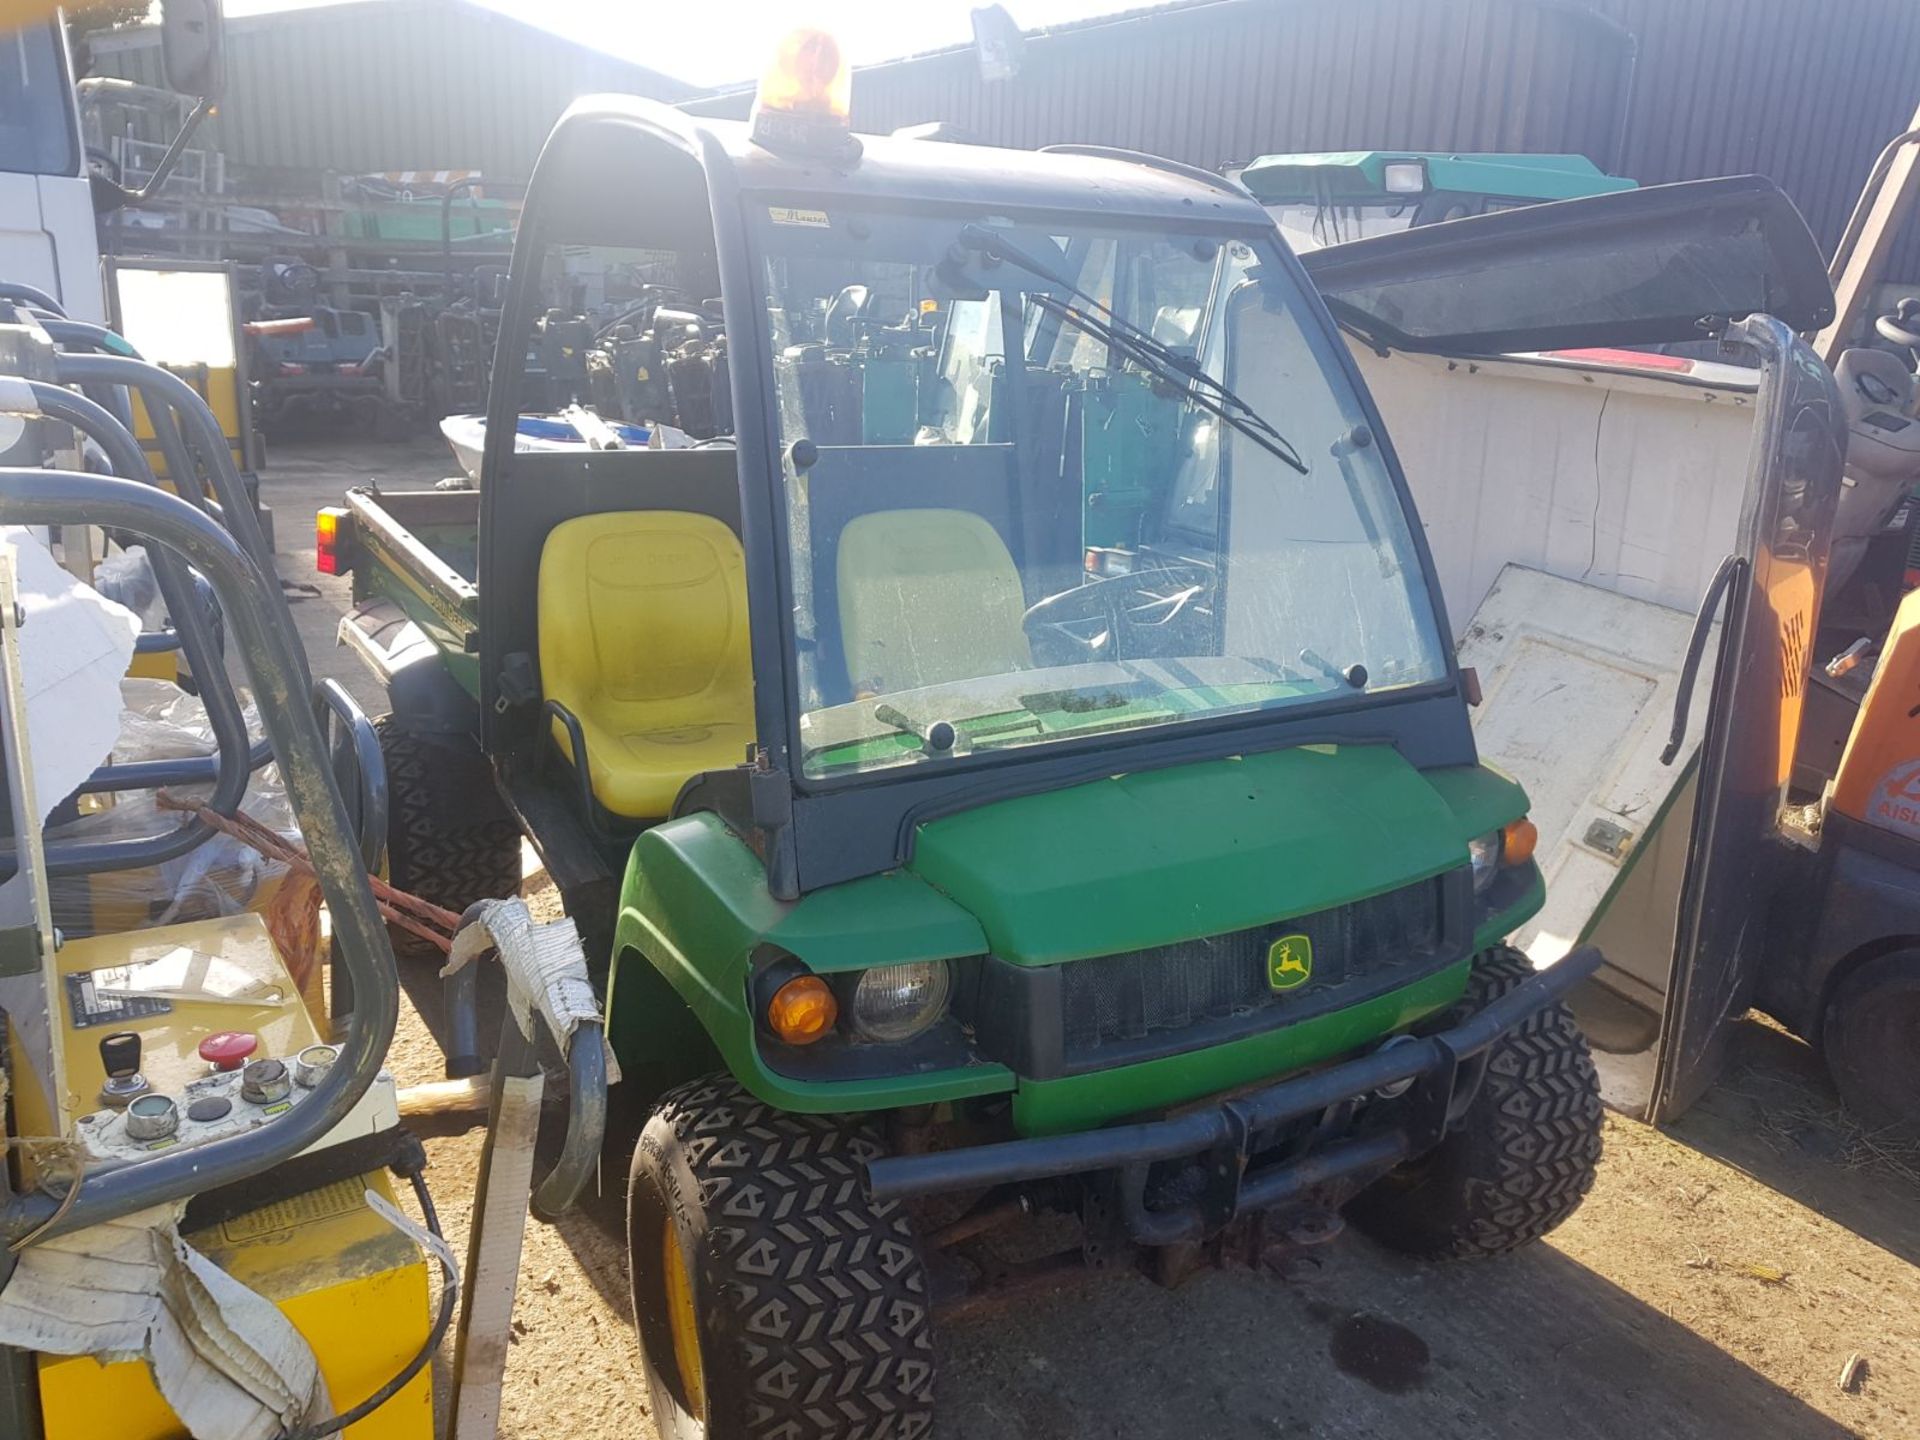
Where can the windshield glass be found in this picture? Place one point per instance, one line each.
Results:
(1044, 484)
(36, 104)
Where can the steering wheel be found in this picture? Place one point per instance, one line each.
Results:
(1110, 617)
(1902, 327)
(101, 162)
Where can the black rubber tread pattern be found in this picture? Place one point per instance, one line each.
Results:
(1867, 1039)
(1523, 1156)
(812, 1298)
(450, 839)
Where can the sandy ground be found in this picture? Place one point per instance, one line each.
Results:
(1720, 1281)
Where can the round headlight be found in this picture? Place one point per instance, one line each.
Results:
(1484, 852)
(896, 1002)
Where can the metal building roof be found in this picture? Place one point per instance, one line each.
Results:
(385, 85)
(1656, 90)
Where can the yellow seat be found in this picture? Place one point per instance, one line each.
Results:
(643, 636)
(928, 596)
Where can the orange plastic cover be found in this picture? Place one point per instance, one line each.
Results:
(1879, 779)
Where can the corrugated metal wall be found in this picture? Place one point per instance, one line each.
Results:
(1805, 91)
(1219, 83)
(394, 85)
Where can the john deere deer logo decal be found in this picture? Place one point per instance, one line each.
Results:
(1289, 962)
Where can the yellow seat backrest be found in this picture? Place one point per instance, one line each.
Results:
(927, 596)
(643, 636)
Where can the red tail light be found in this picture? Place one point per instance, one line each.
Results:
(332, 529)
(289, 367)
(1627, 359)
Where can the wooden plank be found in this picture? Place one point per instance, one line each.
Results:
(493, 1258)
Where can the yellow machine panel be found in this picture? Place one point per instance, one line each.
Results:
(173, 986)
(355, 1287)
(1879, 778)
(219, 386)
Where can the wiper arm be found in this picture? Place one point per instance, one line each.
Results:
(1142, 346)
(1213, 397)
(991, 242)
(937, 737)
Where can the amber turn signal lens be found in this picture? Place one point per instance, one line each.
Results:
(802, 1010)
(1519, 839)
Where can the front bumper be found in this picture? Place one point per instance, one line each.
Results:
(1436, 1074)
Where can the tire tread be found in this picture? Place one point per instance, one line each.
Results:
(449, 839)
(1522, 1158)
(823, 1294)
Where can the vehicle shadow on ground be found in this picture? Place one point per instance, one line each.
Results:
(1531, 1345)
(1534, 1344)
(601, 1214)
(1775, 1116)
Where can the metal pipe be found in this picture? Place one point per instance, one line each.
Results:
(21, 293)
(108, 342)
(248, 597)
(332, 702)
(228, 774)
(181, 468)
(898, 1176)
(172, 157)
(1878, 217)
(161, 389)
(1010, 1161)
(586, 1123)
(94, 337)
(1355, 1155)
(460, 995)
(586, 1071)
(1857, 221)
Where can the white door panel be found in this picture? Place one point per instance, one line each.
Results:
(26, 250)
(1626, 481)
(1579, 687)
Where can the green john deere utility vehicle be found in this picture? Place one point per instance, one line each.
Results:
(1332, 197)
(1012, 762)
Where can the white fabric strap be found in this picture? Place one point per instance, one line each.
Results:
(546, 968)
(230, 1365)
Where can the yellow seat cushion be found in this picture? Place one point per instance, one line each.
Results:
(927, 596)
(643, 636)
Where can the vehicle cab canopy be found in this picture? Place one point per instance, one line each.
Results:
(1162, 527)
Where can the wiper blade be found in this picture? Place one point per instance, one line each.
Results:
(1212, 396)
(1141, 346)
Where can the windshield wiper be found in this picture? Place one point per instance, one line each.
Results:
(937, 737)
(1141, 347)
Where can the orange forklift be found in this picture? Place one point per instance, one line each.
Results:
(1834, 939)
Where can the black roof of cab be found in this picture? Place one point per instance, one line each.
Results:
(613, 135)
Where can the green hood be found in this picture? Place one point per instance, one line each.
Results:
(1201, 849)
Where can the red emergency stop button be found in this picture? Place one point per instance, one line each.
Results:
(229, 1049)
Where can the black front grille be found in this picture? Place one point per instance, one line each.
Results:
(1119, 1009)
(1143, 993)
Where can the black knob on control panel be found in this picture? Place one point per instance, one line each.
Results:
(120, 1054)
